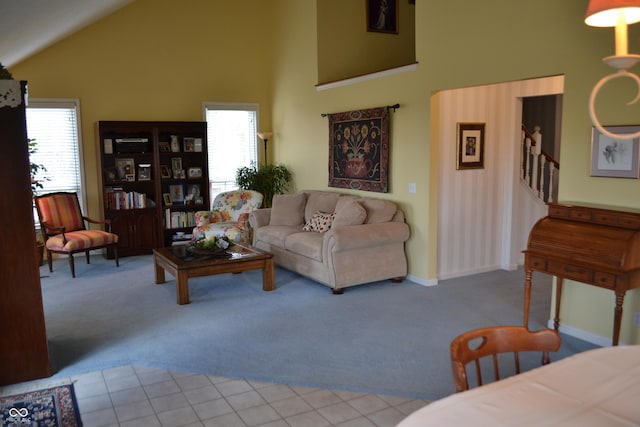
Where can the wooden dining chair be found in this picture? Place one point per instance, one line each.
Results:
(65, 231)
(482, 347)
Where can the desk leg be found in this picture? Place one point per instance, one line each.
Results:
(182, 287)
(556, 319)
(617, 316)
(527, 296)
(268, 275)
(159, 274)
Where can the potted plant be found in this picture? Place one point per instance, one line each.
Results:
(4, 73)
(269, 180)
(36, 184)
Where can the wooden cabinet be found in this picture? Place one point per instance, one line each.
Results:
(153, 179)
(591, 244)
(24, 353)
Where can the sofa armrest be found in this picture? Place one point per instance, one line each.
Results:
(259, 217)
(365, 235)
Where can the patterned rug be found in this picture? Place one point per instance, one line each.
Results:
(51, 407)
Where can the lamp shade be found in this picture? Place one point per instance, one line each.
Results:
(605, 13)
(264, 135)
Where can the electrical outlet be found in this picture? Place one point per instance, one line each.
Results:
(636, 318)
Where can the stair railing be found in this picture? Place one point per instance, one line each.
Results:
(538, 169)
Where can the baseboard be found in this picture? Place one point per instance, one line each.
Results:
(457, 274)
(421, 281)
(590, 337)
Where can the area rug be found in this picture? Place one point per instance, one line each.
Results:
(51, 407)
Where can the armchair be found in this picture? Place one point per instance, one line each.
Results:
(229, 216)
(64, 230)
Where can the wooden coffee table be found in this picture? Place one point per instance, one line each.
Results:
(183, 265)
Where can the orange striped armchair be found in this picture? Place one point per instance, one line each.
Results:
(65, 231)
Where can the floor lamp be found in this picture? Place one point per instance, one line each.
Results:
(265, 137)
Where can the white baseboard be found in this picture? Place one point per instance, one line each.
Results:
(584, 335)
(421, 281)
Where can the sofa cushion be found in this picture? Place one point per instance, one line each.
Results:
(349, 212)
(288, 209)
(305, 244)
(275, 235)
(323, 201)
(320, 222)
(378, 210)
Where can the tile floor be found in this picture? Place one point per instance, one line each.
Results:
(141, 396)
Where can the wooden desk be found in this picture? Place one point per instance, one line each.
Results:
(594, 388)
(589, 244)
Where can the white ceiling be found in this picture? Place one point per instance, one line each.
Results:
(27, 26)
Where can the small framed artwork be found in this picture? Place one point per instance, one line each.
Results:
(125, 167)
(470, 146)
(197, 144)
(165, 172)
(164, 146)
(178, 174)
(614, 158)
(130, 177)
(195, 172)
(193, 194)
(382, 16)
(189, 144)
(176, 163)
(111, 174)
(144, 172)
(166, 197)
(176, 192)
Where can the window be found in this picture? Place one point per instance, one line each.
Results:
(231, 133)
(54, 124)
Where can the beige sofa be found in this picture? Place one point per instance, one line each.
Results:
(337, 240)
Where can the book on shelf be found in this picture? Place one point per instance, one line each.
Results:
(179, 219)
(115, 198)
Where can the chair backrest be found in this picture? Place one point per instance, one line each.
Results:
(60, 210)
(481, 345)
(232, 204)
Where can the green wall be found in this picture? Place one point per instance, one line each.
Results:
(159, 59)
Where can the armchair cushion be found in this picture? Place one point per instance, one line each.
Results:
(80, 240)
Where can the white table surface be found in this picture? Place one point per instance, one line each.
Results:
(599, 387)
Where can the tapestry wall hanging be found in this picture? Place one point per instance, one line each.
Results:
(359, 149)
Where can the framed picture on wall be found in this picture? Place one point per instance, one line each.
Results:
(614, 158)
(382, 16)
(176, 192)
(470, 146)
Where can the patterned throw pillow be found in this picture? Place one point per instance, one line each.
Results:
(319, 222)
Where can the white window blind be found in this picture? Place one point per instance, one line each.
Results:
(232, 137)
(54, 124)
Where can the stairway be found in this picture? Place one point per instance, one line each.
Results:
(538, 169)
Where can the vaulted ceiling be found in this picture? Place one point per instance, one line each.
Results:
(28, 26)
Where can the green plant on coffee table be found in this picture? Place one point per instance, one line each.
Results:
(215, 244)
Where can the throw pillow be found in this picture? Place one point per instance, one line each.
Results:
(349, 212)
(378, 210)
(319, 222)
(322, 201)
(288, 209)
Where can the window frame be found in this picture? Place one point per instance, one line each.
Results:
(66, 103)
(231, 106)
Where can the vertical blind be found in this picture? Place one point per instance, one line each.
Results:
(231, 133)
(54, 126)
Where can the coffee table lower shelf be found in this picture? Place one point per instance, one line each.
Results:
(177, 262)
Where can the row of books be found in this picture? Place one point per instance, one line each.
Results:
(116, 199)
(179, 219)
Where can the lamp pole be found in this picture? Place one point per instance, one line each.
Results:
(265, 137)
